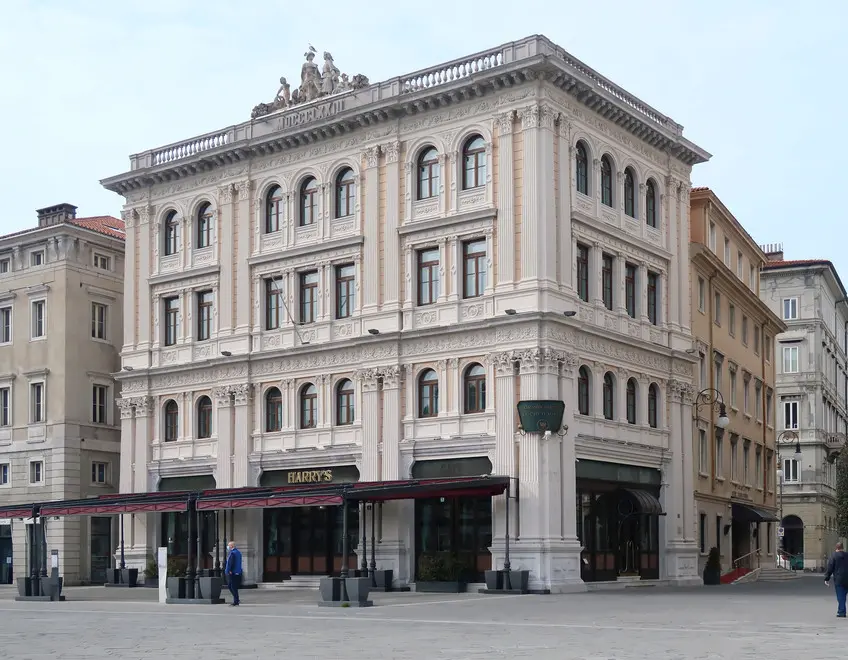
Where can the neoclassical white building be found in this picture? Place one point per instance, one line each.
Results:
(361, 282)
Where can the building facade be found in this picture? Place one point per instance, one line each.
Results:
(811, 398)
(61, 328)
(361, 282)
(734, 331)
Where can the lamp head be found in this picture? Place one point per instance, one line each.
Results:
(373, 331)
(510, 312)
(226, 353)
(570, 313)
(723, 420)
(798, 455)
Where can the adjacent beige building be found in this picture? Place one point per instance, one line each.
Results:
(61, 304)
(734, 332)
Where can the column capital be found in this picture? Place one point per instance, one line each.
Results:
(244, 188)
(372, 156)
(391, 377)
(223, 396)
(681, 392)
(225, 193)
(243, 393)
(392, 151)
(530, 117)
(504, 122)
(126, 408)
(369, 378)
(143, 406)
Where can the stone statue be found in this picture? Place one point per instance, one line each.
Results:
(283, 98)
(360, 81)
(330, 76)
(310, 78)
(344, 84)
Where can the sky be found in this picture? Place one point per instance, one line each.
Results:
(760, 84)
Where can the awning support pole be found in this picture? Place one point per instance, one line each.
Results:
(217, 544)
(123, 564)
(373, 542)
(197, 557)
(189, 547)
(364, 548)
(43, 541)
(343, 573)
(33, 554)
(507, 581)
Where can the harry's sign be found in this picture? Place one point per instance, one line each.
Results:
(310, 476)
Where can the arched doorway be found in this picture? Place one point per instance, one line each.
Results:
(793, 536)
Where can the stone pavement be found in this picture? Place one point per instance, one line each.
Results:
(777, 620)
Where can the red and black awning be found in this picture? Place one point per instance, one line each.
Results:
(114, 504)
(16, 511)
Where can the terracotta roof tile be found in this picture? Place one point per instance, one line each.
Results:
(102, 224)
(700, 188)
(797, 262)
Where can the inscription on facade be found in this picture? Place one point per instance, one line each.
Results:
(310, 476)
(307, 115)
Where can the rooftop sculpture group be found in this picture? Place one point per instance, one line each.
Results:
(314, 84)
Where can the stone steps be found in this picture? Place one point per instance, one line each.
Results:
(777, 575)
(295, 583)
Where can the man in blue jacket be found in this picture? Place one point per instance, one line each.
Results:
(837, 568)
(233, 571)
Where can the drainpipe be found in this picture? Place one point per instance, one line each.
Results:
(710, 366)
(763, 393)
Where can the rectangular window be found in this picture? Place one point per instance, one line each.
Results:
(172, 320)
(767, 347)
(102, 262)
(36, 259)
(273, 304)
(5, 325)
(5, 406)
(746, 463)
(731, 320)
(4, 474)
(703, 452)
(99, 473)
(758, 400)
(717, 309)
(790, 309)
(204, 315)
(752, 279)
(653, 297)
(727, 258)
(758, 467)
(36, 472)
(702, 294)
(719, 457)
(345, 291)
(606, 280)
(745, 330)
(428, 276)
(790, 414)
(734, 458)
(630, 289)
(98, 404)
(756, 340)
(39, 325)
(790, 360)
(733, 388)
(474, 268)
(746, 403)
(768, 539)
(791, 474)
(718, 531)
(98, 321)
(308, 297)
(36, 403)
(702, 532)
(583, 272)
(739, 265)
(717, 373)
(5, 266)
(703, 369)
(769, 406)
(712, 236)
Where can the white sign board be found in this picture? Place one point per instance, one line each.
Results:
(162, 560)
(780, 532)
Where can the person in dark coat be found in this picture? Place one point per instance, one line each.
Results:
(837, 568)
(233, 571)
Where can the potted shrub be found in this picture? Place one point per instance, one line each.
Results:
(441, 572)
(151, 572)
(712, 570)
(176, 581)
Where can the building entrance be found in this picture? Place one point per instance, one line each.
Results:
(101, 548)
(6, 576)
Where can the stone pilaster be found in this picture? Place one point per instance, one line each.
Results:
(224, 410)
(369, 382)
(391, 258)
(241, 286)
(506, 201)
(145, 253)
(243, 394)
(225, 232)
(392, 431)
(596, 261)
(372, 230)
(566, 184)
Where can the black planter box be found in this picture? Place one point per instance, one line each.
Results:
(358, 589)
(210, 588)
(441, 587)
(129, 576)
(382, 580)
(24, 587)
(176, 587)
(151, 583)
(330, 589)
(518, 581)
(494, 580)
(712, 576)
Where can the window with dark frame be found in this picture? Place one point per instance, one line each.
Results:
(5, 325)
(98, 404)
(39, 328)
(205, 217)
(428, 174)
(474, 268)
(630, 289)
(606, 181)
(651, 204)
(171, 234)
(204, 417)
(428, 276)
(308, 202)
(98, 321)
(204, 315)
(583, 272)
(273, 304)
(474, 163)
(653, 405)
(702, 532)
(172, 316)
(99, 473)
(475, 389)
(308, 297)
(274, 209)
(629, 193)
(583, 385)
(345, 193)
(273, 410)
(36, 391)
(606, 280)
(345, 291)
(631, 401)
(653, 297)
(428, 394)
(582, 168)
(345, 403)
(172, 421)
(36, 472)
(5, 406)
(308, 406)
(609, 396)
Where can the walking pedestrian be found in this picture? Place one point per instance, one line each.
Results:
(233, 570)
(837, 568)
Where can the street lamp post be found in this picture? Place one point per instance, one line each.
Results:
(785, 438)
(712, 397)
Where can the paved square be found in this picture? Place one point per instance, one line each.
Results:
(777, 620)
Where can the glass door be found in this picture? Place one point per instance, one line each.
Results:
(101, 548)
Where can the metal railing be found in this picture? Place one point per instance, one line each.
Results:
(748, 560)
(789, 561)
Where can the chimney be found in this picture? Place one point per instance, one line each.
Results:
(774, 251)
(54, 215)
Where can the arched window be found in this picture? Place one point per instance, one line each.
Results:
(172, 421)
(651, 203)
(274, 205)
(171, 234)
(606, 181)
(629, 193)
(581, 167)
(474, 163)
(428, 394)
(204, 225)
(653, 405)
(345, 193)
(308, 406)
(583, 387)
(273, 410)
(308, 202)
(609, 396)
(204, 417)
(344, 403)
(631, 401)
(475, 389)
(428, 174)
